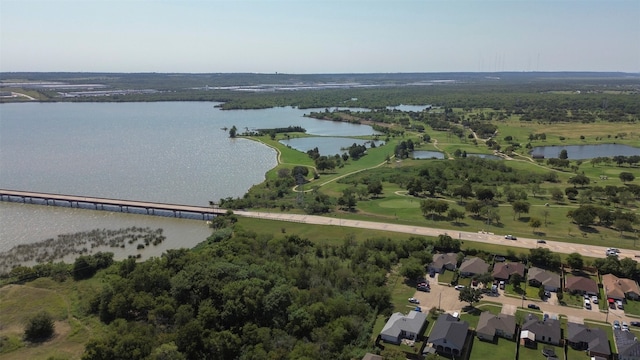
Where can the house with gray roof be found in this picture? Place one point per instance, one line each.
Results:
(447, 261)
(490, 326)
(400, 326)
(593, 340)
(581, 285)
(539, 277)
(473, 266)
(448, 335)
(627, 344)
(546, 331)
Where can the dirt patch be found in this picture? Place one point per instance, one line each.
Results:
(58, 345)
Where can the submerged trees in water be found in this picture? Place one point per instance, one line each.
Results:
(79, 243)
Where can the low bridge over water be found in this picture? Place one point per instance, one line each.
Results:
(120, 205)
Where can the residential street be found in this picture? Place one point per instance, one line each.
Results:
(446, 297)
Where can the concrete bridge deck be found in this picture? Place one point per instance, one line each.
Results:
(121, 205)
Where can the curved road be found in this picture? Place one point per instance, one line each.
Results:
(528, 243)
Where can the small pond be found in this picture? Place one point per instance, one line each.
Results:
(402, 107)
(425, 154)
(328, 146)
(485, 156)
(579, 152)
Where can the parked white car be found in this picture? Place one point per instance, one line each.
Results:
(594, 299)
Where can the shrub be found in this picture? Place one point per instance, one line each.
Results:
(40, 327)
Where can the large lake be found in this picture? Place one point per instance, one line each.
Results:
(173, 152)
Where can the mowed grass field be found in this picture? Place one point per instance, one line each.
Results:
(63, 301)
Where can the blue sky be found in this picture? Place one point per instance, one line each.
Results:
(328, 36)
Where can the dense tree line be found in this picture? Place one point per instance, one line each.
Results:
(253, 296)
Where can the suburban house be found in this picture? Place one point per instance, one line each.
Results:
(503, 271)
(620, 288)
(490, 326)
(538, 277)
(627, 344)
(546, 331)
(400, 326)
(448, 335)
(581, 285)
(473, 266)
(594, 341)
(447, 261)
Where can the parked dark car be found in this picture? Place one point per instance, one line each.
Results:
(432, 273)
(533, 306)
(541, 242)
(635, 323)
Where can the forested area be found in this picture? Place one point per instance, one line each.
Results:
(250, 296)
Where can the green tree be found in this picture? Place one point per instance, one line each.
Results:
(485, 279)
(575, 261)
(583, 216)
(580, 179)
(233, 131)
(557, 195)
(515, 280)
(520, 207)
(541, 292)
(347, 200)
(571, 193)
(375, 188)
(455, 214)
(40, 327)
(167, 351)
(470, 295)
(474, 207)
(626, 176)
(535, 223)
(412, 269)
(623, 225)
(563, 155)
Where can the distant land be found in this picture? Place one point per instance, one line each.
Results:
(226, 87)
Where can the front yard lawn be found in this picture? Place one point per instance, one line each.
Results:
(446, 277)
(573, 300)
(632, 307)
(503, 349)
(531, 291)
(464, 281)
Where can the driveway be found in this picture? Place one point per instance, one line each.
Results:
(509, 309)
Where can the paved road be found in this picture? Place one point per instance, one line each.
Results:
(498, 239)
(446, 297)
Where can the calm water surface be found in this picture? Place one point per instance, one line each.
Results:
(425, 154)
(327, 146)
(581, 152)
(175, 152)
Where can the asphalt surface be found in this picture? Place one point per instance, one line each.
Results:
(483, 237)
